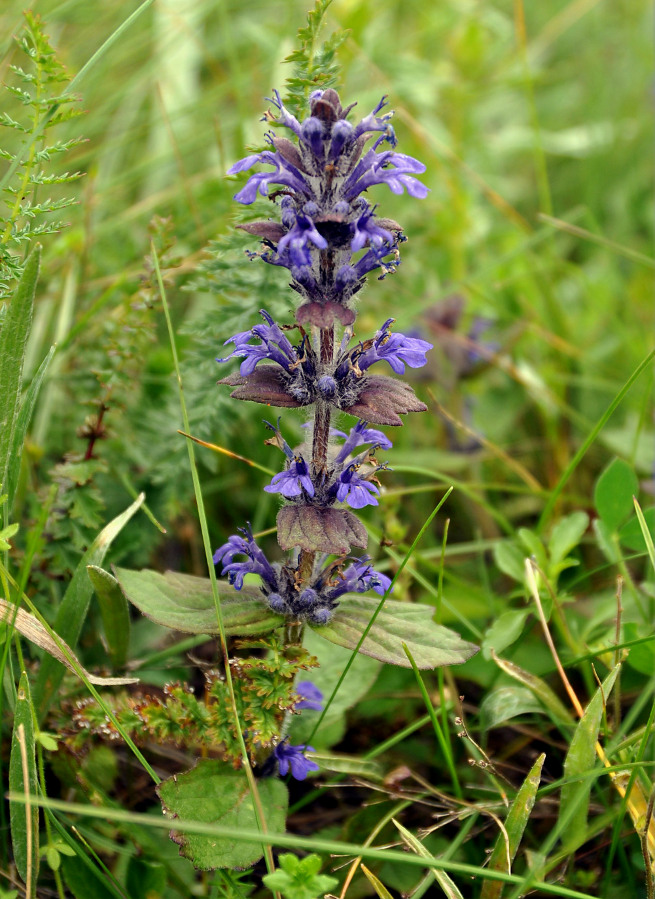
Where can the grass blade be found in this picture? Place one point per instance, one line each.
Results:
(595, 431)
(22, 424)
(23, 778)
(308, 844)
(376, 883)
(114, 612)
(580, 759)
(648, 537)
(13, 341)
(438, 732)
(450, 889)
(204, 528)
(74, 607)
(508, 842)
(549, 699)
(33, 630)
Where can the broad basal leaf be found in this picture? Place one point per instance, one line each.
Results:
(506, 702)
(214, 793)
(613, 493)
(186, 603)
(430, 644)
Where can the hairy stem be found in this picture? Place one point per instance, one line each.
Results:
(320, 442)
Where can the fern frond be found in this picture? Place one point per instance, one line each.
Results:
(315, 66)
(23, 96)
(64, 178)
(46, 153)
(8, 122)
(20, 73)
(39, 94)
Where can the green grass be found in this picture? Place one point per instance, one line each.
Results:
(533, 121)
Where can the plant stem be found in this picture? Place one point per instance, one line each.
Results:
(320, 442)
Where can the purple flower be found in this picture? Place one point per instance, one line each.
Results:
(373, 122)
(367, 231)
(284, 116)
(357, 492)
(312, 697)
(285, 174)
(392, 169)
(359, 578)
(292, 481)
(294, 246)
(323, 176)
(366, 578)
(396, 349)
(358, 435)
(293, 757)
(256, 562)
(374, 259)
(274, 345)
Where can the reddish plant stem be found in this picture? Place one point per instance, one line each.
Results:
(320, 443)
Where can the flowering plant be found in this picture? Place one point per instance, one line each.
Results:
(329, 238)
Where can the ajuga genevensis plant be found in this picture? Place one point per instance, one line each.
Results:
(327, 235)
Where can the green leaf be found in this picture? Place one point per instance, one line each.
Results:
(74, 606)
(86, 881)
(214, 793)
(53, 858)
(642, 656)
(505, 630)
(298, 878)
(6, 534)
(145, 878)
(510, 560)
(314, 64)
(430, 644)
(533, 545)
(347, 764)
(605, 538)
(565, 536)
(22, 423)
(613, 493)
(24, 817)
(517, 818)
(47, 741)
(580, 760)
(332, 660)
(114, 611)
(15, 331)
(631, 534)
(186, 603)
(507, 702)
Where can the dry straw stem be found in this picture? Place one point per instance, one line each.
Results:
(637, 803)
(31, 628)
